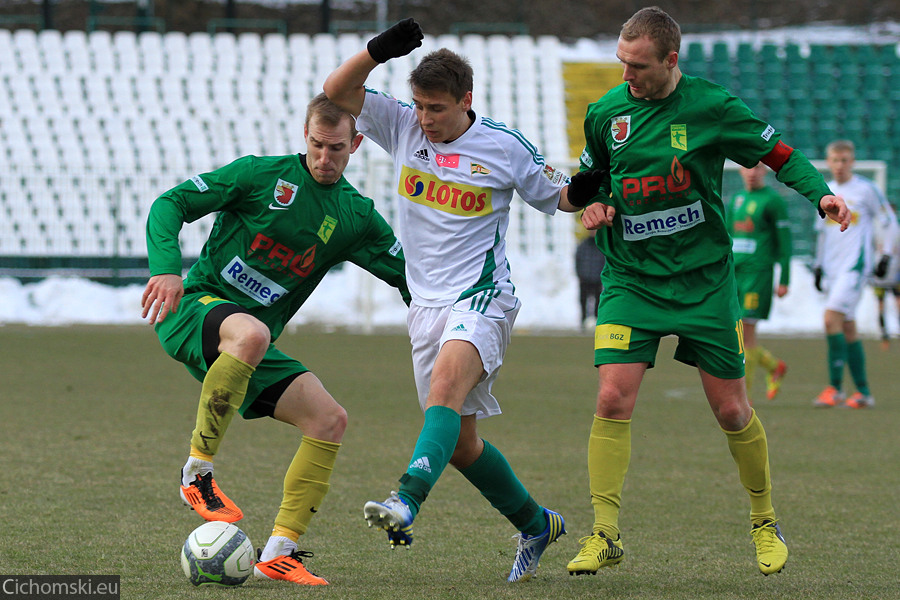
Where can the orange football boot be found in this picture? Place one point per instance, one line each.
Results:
(205, 497)
(773, 381)
(829, 397)
(288, 568)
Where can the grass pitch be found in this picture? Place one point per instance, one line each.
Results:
(96, 421)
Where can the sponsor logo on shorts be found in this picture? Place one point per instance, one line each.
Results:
(454, 198)
(252, 283)
(615, 337)
(662, 222)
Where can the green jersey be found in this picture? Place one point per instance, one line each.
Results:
(665, 159)
(760, 231)
(277, 233)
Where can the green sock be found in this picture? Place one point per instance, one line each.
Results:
(433, 450)
(837, 358)
(495, 479)
(856, 359)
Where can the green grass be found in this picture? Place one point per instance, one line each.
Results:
(95, 425)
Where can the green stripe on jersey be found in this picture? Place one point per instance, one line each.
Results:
(496, 125)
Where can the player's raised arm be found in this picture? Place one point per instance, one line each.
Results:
(344, 86)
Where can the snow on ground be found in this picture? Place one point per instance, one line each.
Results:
(353, 299)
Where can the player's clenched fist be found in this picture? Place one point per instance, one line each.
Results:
(398, 40)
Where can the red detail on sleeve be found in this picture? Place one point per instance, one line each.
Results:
(778, 156)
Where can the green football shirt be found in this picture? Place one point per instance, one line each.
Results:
(277, 233)
(760, 231)
(666, 158)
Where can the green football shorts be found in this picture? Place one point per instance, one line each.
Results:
(191, 336)
(700, 307)
(755, 290)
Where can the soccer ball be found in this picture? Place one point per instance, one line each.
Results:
(217, 553)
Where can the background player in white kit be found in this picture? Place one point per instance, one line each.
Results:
(844, 261)
(456, 173)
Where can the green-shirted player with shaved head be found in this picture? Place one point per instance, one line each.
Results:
(283, 222)
(652, 172)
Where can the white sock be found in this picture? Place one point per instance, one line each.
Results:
(277, 546)
(194, 467)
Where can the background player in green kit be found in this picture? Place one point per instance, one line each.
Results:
(283, 222)
(761, 236)
(652, 170)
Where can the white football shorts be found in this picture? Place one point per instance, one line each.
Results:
(485, 320)
(844, 291)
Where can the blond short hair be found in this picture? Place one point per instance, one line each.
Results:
(657, 25)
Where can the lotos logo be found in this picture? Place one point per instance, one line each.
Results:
(454, 198)
(414, 187)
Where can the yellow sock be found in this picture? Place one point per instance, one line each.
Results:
(279, 531)
(609, 452)
(200, 455)
(766, 359)
(750, 451)
(751, 359)
(222, 394)
(305, 484)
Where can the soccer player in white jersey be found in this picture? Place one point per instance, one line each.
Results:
(456, 172)
(844, 262)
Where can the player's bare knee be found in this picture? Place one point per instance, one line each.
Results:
(245, 337)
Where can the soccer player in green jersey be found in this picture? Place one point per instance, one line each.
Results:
(761, 236)
(282, 223)
(652, 174)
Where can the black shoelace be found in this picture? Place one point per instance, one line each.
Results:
(204, 484)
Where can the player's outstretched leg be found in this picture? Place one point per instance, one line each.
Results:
(200, 492)
(281, 560)
(771, 550)
(392, 515)
(531, 547)
(597, 551)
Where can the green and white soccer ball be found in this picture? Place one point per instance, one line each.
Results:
(217, 553)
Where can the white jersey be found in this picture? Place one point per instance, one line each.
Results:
(851, 250)
(455, 198)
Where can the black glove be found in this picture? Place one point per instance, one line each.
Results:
(399, 40)
(584, 185)
(817, 274)
(881, 268)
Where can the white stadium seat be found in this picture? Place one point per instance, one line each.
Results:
(129, 114)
